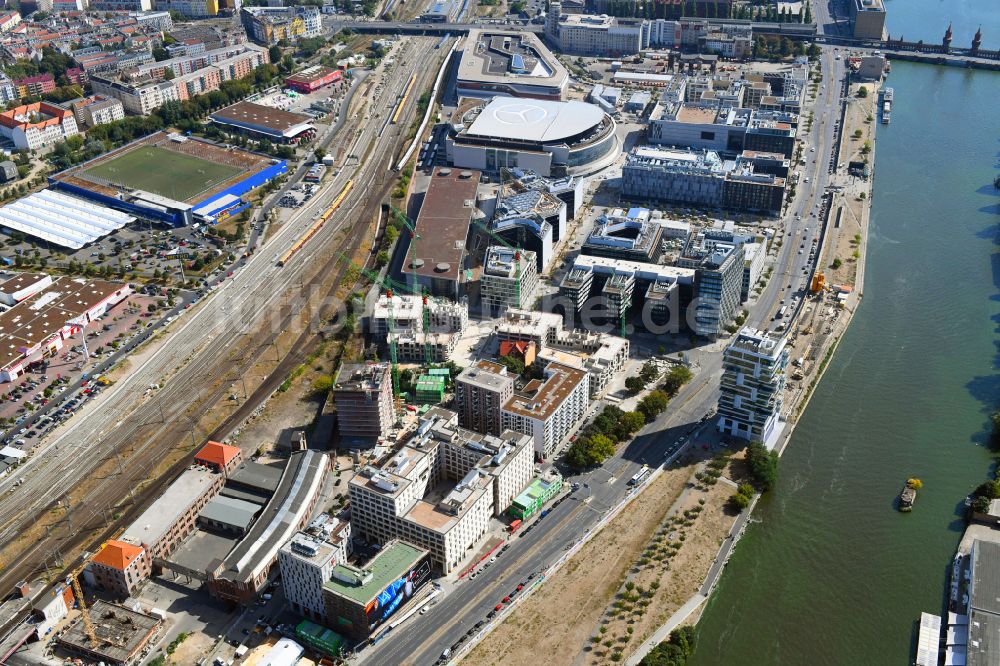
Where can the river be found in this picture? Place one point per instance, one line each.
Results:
(833, 574)
(927, 20)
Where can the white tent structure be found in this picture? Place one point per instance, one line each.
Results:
(61, 219)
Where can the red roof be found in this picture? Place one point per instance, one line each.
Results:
(217, 454)
(117, 554)
(508, 347)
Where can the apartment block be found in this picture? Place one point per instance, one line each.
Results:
(270, 25)
(445, 322)
(481, 391)
(549, 409)
(752, 383)
(97, 110)
(307, 562)
(362, 393)
(37, 125)
(138, 97)
(441, 490)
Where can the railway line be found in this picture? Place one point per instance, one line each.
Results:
(216, 343)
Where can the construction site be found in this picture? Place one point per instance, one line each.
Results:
(111, 633)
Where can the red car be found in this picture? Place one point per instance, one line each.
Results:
(499, 607)
(520, 587)
(506, 600)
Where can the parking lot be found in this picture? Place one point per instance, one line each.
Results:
(46, 386)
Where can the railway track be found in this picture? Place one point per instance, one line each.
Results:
(256, 296)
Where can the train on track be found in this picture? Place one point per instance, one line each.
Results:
(317, 225)
(402, 100)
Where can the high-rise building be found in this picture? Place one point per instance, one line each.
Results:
(508, 280)
(718, 283)
(362, 394)
(752, 383)
(481, 391)
(306, 562)
(549, 409)
(869, 18)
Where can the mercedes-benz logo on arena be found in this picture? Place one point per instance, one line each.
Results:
(520, 114)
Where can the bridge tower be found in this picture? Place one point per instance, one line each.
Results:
(977, 40)
(946, 42)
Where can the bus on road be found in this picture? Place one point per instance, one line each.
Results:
(639, 476)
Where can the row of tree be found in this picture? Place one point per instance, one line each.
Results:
(674, 651)
(597, 442)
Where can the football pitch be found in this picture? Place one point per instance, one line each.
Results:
(165, 172)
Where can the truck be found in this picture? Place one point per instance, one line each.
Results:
(514, 526)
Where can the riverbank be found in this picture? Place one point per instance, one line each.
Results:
(907, 392)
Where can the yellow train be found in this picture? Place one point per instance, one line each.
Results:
(402, 101)
(317, 225)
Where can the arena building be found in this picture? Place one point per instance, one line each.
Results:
(171, 178)
(548, 137)
(512, 64)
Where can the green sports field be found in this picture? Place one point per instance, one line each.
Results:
(153, 169)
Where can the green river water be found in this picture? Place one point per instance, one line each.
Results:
(833, 574)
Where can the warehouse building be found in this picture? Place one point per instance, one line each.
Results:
(515, 64)
(265, 122)
(548, 137)
(62, 220)
(448, 208)
(313, 78)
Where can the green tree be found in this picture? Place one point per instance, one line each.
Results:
(632, 422)
(863, 92)
(634, 384)
(981, 504)
(763, 465)
(649, 371)
(988, 489)
(858, 134)
(513, 364)
(652, 404)
(678, 376)
(739, 501)
(674, 651)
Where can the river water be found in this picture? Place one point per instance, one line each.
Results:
(833, 574)
(927, 20)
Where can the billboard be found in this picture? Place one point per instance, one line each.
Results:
(397, 593)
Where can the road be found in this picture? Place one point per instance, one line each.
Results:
(423, 638)
(201, 353)
(789, 281)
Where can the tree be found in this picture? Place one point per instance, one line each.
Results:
(514, 365)
(649, 371)
(589, 451)
(837, 263)
(634, 384)
(763, 465)
(651, 405)
(867, 148)
(168, 75)
(858, 133)
(160, 53)
(632, 422)
(674, 651)
(981, 505)
(321, 386)
(678, 376)
(273, 54)
(988, 489)
(739, 501)
(863, 92)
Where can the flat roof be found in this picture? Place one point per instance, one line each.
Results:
(122, 632)
(540, 121)
(61, 219)
(256, 475)
(696, 114)
(162, 514)
(390, 564)
(547, 396)
(486, 61)
(21, 281)
(230, 511)
(311, 74)
(201, 549)
(262, 118)
(486, 374)
(443, 222)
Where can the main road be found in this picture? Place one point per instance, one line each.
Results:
(213, 343)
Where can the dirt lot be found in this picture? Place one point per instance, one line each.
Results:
(543, 631)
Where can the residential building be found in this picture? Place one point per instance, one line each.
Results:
(8, 91)
(118, 568)
(306, 563)
(600, 355)
(549, 409)
(138, 97)
(362, 394)
(508, 280)
(96, 110)
(445, 322)
(191, 9)
(752, 384)
(35, 86)
(481, 391)
(593, 35)
(270, 25)
(9, 20)
(397, 499)
(243, 57)
(37, 125)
